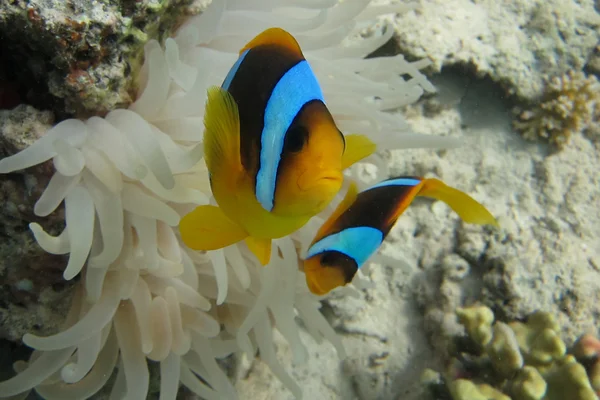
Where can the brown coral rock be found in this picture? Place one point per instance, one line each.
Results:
(570, 104)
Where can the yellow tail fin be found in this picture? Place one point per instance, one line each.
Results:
(467, 208)
(357, 148)
(261, 248)
(222, 131)
(207, 228)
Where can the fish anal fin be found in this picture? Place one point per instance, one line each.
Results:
(221, 131)
(467, 208)
(260, 247)
(345, 204)
(358, 147)
(275, 36)
(208, 228)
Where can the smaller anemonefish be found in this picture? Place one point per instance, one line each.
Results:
(360, 223)
(273, 151)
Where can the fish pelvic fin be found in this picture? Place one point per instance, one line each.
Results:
(345, 204)
(208, 228)
(261, 248)
(467, 208)
(358, 147)
(221, 131)
(276, 36)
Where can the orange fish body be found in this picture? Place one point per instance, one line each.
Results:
(274, 154)
(361, 222)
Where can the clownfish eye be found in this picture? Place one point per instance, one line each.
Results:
(295, 138)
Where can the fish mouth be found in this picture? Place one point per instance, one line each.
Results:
(323, 282)
(308, 180)
(314, 287)
(313, 281)
(320, 279)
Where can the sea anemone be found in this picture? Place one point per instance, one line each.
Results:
(127, 178)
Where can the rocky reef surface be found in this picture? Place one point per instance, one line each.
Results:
(516, 43)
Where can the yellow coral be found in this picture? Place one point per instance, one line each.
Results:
(539, 339)
(570, 104)
(528, 385)
(568, 380)
(519, 361)
(503, 350)
(477, 322)
(463, 389)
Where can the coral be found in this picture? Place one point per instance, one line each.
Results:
(545, 257)
(570, 104)
(587, 351)
(78, 56)
(520, 361)
(514, 42)
(126, 179)
(593, 64)
(462, 389)
(478, 323)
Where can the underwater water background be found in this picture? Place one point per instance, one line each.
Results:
(446, 310)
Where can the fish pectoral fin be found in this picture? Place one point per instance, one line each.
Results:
(261, 248)
(358, 147)
(221, 131)
(345, 204)
(208, 228)
(467, 208)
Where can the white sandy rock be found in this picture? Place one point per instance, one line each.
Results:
(383, 336)
(546, 254)
(515, 42)
(544, 257)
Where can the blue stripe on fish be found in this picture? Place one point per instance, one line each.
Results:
(358, 243)
(233, 70)
(397, 182)
(296, 87)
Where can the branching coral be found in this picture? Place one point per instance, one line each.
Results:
(519, 361)
(126, 179)
(570, 104)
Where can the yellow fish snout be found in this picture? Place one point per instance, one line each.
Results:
(314, 178)
(308, 189)
(322, 279)
(318, 188)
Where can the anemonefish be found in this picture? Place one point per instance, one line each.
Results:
(273, 151)
(360, 223)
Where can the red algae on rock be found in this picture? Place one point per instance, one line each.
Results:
(49, 45)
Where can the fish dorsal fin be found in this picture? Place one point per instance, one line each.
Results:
(467, 208)
(358, 147)
(221, 131)
(345, 204)
(275, 36)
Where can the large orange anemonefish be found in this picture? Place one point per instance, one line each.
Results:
(274, 153)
